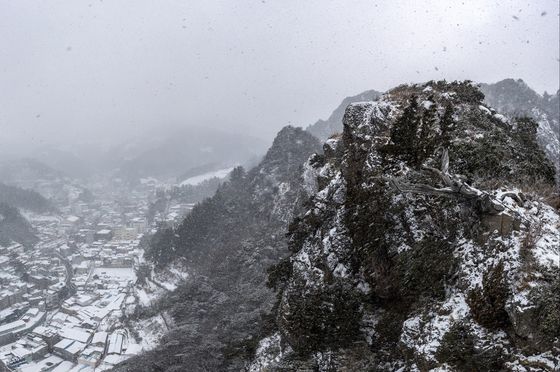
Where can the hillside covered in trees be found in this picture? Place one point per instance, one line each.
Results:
(24, 199)
(226, 243)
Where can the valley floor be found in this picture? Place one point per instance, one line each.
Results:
(69, 314)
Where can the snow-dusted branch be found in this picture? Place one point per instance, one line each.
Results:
(455, 186)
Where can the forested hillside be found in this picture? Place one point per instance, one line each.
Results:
(14, 228)
(25, 199)
(228, 242)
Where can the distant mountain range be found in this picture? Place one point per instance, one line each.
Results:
(171, 154)
(177, 154)
(186, 152)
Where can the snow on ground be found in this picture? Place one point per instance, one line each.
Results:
(547, 359)
(485, 109)
(178, 272)
(167, 285)
(424, 332)
(143, 297)
(150, 330)
(119, 274)
(268, 352)
(149, 293)
(37, 217)
(221, 173)
(170, 278)
(547, 249)
(545, 219)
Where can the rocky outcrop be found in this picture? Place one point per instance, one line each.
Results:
(382, 278)
(503, 223)
(510, 97)
(373, 275)
(323, 129)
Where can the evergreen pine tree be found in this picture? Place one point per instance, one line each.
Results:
(446, 126)
(237, 174)
(427, 136)
(404, 132)
(162, 245)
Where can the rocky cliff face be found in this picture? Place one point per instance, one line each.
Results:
(323, 129)
(512, 98)
(429, 242)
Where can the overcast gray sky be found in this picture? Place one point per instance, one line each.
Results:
(97, 70)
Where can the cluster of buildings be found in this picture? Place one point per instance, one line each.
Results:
(174, 213)
(62, 302)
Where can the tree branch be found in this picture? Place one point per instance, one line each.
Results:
(455, 187)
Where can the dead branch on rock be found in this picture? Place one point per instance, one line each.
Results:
(455, 186)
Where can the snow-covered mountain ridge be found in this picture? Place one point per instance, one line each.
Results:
(425, 246)
(424, 236)
(510, 97)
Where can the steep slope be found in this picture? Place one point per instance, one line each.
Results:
(418, 250)
(226, 244)
(516, 98)
(25, 199)
(323, 129)
(14, 227)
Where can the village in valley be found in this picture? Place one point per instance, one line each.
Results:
(64, 302)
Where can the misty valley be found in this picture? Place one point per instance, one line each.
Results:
(184, 187)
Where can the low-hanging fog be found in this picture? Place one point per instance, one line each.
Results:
(109, 72)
